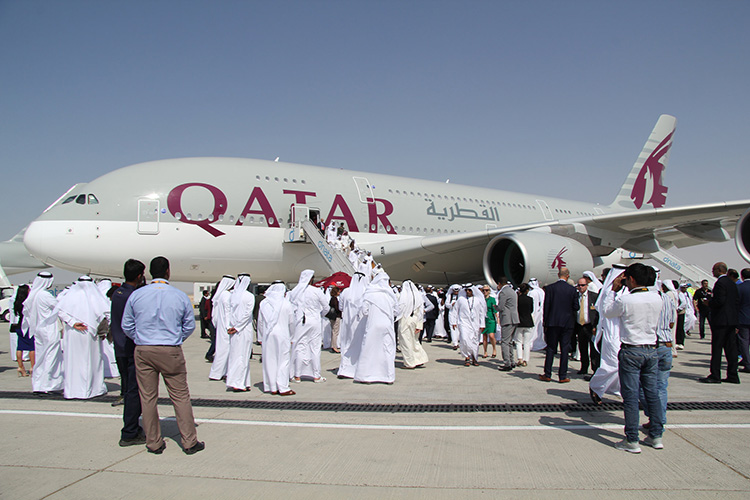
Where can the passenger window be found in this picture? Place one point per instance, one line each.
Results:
(70, 199)
(81, 200)
(93, 200)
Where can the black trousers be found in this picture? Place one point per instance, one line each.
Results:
(724, 338)
(553, 336)
(132, 409)
(429, 329)
(702, 317)
(585, 333)
(679, 336)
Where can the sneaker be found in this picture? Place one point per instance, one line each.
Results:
(626, 445)
(680, 347)
(655, 443)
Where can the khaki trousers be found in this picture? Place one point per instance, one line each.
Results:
(150, 361)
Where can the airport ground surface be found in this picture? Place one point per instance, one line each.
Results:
(424, 440)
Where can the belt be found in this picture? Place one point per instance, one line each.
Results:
(659, 343)
(633, 346)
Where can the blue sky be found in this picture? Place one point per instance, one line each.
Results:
(546, 97)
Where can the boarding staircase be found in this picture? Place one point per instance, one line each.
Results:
(690, 272)
(303, 230)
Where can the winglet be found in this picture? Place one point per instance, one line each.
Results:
(645, 183)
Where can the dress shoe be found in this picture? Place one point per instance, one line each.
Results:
(545, 378)
(140, 438)
(564, 380)
(731, 380)
(118, 402)
(199, 446)
(587, 377)
(505, 368)
(709, 380)
(159, 450)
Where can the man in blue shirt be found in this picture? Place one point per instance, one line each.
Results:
(159, 318)
(132, 433)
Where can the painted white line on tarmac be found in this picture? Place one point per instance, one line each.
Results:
(321, 425)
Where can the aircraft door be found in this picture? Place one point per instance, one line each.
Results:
(363, 189)
(148, 216)
(545, 209)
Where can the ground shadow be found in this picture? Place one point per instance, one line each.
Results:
(574, 425)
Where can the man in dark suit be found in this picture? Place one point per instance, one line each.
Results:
(586, 321)
(743, 332)
(723, 320)
(430, 316)
(560, 310)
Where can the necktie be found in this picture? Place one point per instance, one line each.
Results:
(581, 313)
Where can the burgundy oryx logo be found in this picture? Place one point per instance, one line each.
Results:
(558, 261)
(655, 168)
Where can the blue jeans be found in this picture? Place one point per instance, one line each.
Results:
(664, 355)
(638, 368)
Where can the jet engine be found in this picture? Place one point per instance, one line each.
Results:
(525, 255)
(742, 235)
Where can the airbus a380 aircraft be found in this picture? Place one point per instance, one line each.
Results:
(213, 216)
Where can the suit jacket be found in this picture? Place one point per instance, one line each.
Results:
(508, 306)
(435, 312)
(725, 303)
(560, 305)
(593, 313)
(743, 289)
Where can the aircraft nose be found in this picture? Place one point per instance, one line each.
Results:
(36, 242)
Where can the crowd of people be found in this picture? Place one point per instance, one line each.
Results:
(627, 328)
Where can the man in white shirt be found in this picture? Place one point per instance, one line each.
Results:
(639, 312)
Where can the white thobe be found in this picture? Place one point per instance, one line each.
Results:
(220, 316)
(537, 340)
(606, 378)
(83, 362)
(450, 306)
(277, 342)
(308, 332)
(377, 359)
(468, 328)
(351, 332)
(240, 343)
(48, 370)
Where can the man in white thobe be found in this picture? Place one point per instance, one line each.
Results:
(606, 379)
(240, 331)
(309, 306)
(352, 329)
(377, 359)
(450, 310)
(537, 295)
(41, 323)
(220, 315)
(410, 322)
(275, 327)
(81, 310)
(470, 324)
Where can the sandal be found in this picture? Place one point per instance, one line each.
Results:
(467, 363)
(494, 355)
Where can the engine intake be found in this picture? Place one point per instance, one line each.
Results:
(742, 235)
(525, 255)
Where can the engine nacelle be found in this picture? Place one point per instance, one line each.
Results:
(742, 235)
(525, 255)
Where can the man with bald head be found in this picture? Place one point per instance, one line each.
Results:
(560, 309)
(723, 318)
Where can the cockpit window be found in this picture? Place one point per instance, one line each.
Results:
(70, 199)
(93, 200)
(81, 200)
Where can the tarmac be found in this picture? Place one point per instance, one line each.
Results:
(442, 431)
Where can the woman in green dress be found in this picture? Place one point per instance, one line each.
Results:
(490, 322)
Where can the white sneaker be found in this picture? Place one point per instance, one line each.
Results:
(655, 443)
(626, 445)
(680, 347)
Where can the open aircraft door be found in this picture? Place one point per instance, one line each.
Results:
(148, 216)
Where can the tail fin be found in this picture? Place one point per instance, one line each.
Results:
(645, 183)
